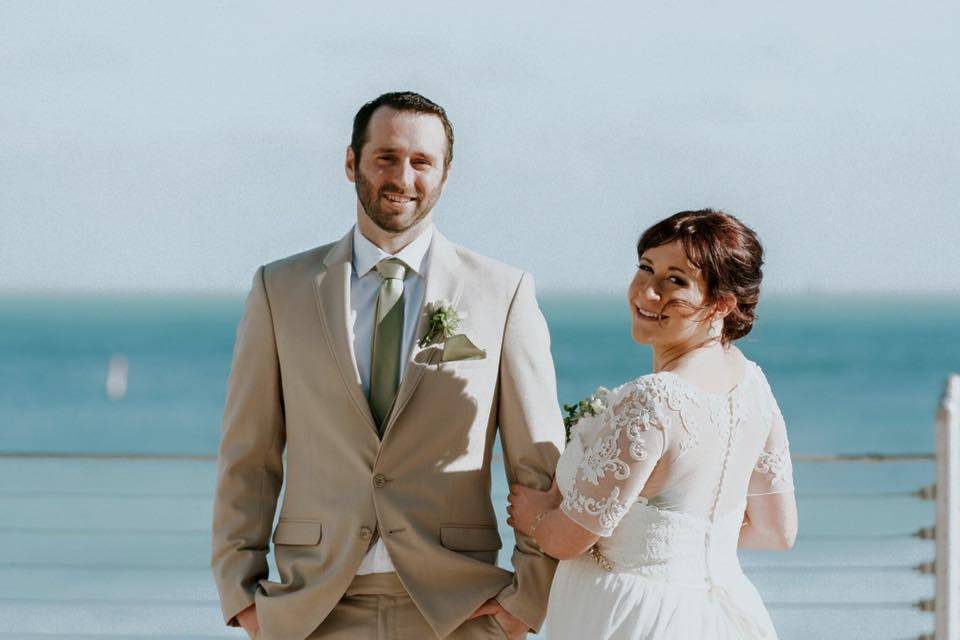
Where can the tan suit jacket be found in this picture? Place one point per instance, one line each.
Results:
(424, 488)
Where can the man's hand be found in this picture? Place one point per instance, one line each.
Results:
(248, 620)
(515, 628)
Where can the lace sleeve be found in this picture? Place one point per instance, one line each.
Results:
(630, 439)
(773, 472)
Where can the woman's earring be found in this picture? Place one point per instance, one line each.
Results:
(714, 331)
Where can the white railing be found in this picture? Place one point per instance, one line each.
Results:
(946, 532)
(947, 563)
(946, 493)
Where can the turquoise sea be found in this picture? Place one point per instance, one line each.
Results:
(852, 374)
(118, 548)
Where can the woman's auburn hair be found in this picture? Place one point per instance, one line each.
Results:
(728, 254)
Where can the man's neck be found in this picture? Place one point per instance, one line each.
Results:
(392, 243)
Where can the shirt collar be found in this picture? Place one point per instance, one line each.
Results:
(366, 255)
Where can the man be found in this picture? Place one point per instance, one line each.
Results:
(350, 357)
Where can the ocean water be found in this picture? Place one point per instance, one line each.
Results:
(852, 374)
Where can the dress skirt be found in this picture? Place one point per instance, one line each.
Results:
(589, 602)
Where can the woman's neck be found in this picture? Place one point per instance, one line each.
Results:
(710, 353)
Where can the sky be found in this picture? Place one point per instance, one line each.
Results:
(176, 146)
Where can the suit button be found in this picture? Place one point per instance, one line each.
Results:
(379, 481)
(366, 533)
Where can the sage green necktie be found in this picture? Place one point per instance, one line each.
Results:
(387, 339)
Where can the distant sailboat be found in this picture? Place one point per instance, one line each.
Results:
(117, 377)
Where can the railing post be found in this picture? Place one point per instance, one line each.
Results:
(947, 598)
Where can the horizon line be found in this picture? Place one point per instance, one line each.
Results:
(541, 291)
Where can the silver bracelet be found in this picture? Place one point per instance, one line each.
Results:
(533, 531)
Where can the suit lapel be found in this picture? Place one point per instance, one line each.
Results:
(442, 283)
(332, 287)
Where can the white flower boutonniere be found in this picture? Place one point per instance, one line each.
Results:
(444, 322)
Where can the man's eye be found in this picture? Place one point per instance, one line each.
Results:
(385, 158)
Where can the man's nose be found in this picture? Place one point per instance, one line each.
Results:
(405, 176)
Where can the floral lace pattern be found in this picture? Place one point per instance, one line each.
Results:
(633, 411)
(604, 456)
(609, 511)
(698, 442)
(776, 464)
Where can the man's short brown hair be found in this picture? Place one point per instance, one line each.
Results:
(401, 101)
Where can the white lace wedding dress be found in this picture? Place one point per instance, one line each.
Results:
(662, 475)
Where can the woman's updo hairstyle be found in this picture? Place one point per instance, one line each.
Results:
(727, 252)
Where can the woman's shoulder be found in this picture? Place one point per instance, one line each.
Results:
(754, 372)
(751, 372)
(653, 390)
(646, 382)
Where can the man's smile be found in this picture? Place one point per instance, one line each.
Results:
(398, 198)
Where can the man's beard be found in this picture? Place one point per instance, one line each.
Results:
(370, 201)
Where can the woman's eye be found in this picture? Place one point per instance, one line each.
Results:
(680, 282)
(645, 267)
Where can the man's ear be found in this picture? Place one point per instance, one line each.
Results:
(350, 165)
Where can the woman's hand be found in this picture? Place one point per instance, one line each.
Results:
(527, 504)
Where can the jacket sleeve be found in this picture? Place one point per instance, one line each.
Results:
(250, 460)
(532, 435)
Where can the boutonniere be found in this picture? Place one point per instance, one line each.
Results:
(592, 405)
(444, 322)
(442, 327)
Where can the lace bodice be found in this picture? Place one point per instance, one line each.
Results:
(664, 472)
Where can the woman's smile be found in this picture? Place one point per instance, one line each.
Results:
(651, 316)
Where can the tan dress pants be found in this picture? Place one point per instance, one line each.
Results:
(377, 607)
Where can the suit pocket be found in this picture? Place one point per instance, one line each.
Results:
(459, 365)
(297, 532)
(459, 347)
(480, 543)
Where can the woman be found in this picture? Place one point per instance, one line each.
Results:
(655, 492)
